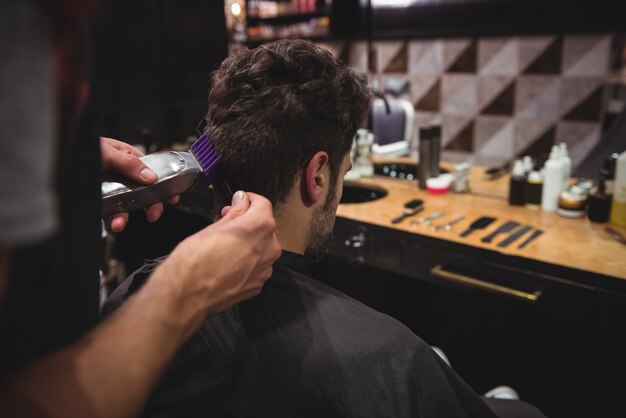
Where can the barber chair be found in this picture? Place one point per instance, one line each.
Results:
(392, 127)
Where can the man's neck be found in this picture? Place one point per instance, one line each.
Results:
(293, 228)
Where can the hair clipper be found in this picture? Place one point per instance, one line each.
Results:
(177, 172)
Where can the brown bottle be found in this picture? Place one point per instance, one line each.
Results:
(599, 209)
(532, 190)
(517, 184)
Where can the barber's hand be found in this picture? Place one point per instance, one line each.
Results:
(225, 263)
(121, 159)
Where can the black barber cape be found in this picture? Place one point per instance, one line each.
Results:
(303, 349)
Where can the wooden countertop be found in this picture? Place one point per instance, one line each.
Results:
(574, 243)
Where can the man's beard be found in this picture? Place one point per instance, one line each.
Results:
(321, 227)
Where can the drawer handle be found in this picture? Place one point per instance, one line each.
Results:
(440, 272)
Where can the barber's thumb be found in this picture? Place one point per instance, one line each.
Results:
(240, 202)
(132, 167)
(148, 174)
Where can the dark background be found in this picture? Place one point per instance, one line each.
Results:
(498, 17)
(153, 60)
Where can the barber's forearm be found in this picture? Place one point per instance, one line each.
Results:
(109, 373)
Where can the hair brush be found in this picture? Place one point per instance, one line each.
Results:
(177, 172)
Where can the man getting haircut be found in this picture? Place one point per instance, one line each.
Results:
(283, 117)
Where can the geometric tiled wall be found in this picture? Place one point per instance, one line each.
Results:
(498, 98)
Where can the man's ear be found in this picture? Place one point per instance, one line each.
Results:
(316, 177)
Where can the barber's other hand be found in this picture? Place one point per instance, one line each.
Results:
(121, 159)
(225, 263)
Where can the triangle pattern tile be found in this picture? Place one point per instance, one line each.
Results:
(575, 90)
(537, 97)
(486, 127)
(527, 132)
(396, 85)
(431, 101)
(531, 47)
(504, 103)
(372, 63)
(358, 56)
(399, 63)
(549, 61)
(464, 140)
(451, 125)
(422, 119)
(427, 118)
(505, 61)
(500, 145)
(456, 157)
(372, 80)
(459, 94)
(580, 138)
(488, 48)
(425, 57)
(344, 55)
(589, 109)
(335, 48)
(466, 62)
(586, 55)
(386, 52)
(575, 46)
(489, 87)
(452, 48)
(421, 85)
(542, 145)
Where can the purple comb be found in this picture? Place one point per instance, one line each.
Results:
(207, 157)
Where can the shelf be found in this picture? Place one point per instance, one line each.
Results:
(286, 19)
(315, 25)
(253, 42)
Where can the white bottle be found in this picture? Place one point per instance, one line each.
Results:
(567, 164)
(370, 158)
(354, 172)
(552, 181)
(528, 164)
(364, 154)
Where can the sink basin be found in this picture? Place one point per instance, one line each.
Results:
(357, 193)
(399, 170)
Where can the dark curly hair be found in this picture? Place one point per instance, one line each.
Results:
(272, 108)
